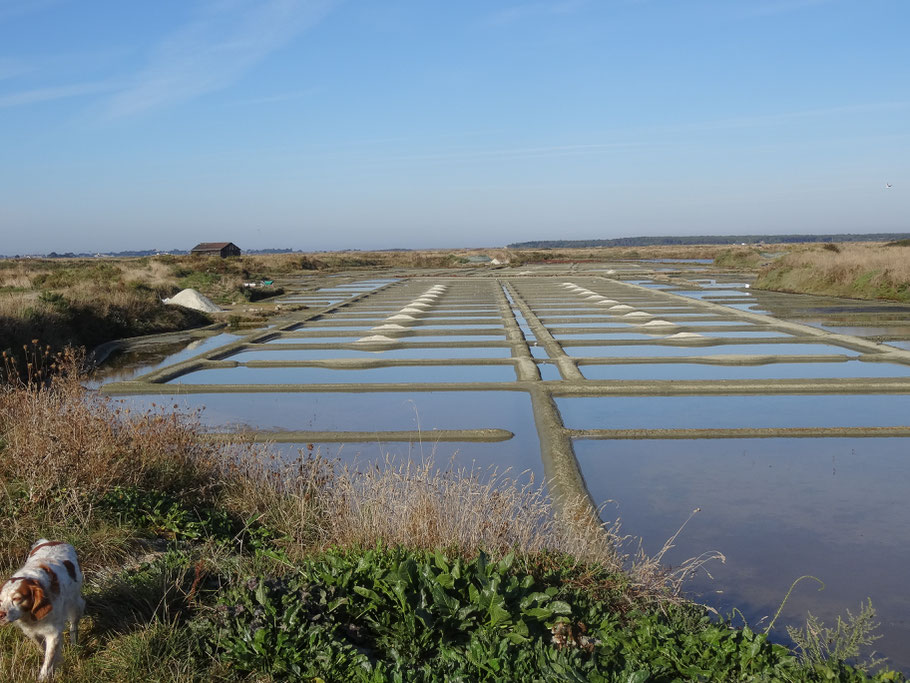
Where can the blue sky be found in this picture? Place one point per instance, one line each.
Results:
(328, 124)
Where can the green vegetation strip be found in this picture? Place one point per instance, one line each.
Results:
(125, 388)
(897, 385)
(408, 436)
(391, 615)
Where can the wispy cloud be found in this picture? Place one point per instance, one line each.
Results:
(49, 94)
(527, 10)
(225, 41)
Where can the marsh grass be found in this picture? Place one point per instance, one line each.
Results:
(64, 448)
(860, 271)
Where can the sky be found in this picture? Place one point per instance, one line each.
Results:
(365, 124)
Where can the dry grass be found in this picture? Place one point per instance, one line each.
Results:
(319, 503)
(153, 273)
(863, 271)
(63, 448)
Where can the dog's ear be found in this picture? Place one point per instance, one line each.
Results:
(41, 606)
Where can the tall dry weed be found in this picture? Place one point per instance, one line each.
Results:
(319, 503)
(62, 448)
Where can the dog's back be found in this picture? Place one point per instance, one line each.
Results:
(61, 559)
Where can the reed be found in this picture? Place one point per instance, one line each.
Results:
(860, 271)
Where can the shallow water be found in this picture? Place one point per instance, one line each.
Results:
(416, 353)
(517, 457)
(730, 412)
(711, 292)
(698, 371)
(313, 340)
(131, 364)
(662, 350)
(778, 509)
(344, 411)
(399, 373)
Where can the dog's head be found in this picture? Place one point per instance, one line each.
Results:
(23, 597)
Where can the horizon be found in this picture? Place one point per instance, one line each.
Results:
(628, 242)
(331, 125)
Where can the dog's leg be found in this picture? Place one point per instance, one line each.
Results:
(51, 657)
(74, 616)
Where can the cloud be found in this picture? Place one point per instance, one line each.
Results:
(52, 93)
(225, 41)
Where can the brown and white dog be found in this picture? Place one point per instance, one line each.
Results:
(42, 596)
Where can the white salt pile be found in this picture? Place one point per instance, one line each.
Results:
(190, 298)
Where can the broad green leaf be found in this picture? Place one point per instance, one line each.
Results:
(367, 593)
(261, 593)
(539, 613)
(498, 615)
(560, 607)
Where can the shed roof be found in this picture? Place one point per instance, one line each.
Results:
(212, 246)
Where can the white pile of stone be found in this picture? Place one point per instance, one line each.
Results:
(190, 298)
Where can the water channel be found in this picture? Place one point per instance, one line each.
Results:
(785, 419)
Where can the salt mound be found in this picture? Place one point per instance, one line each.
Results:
(685, 335)
(376, 339)
(190, 298)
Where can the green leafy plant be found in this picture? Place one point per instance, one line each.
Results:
(417, 616)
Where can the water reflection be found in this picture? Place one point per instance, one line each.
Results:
(398, 373)
(778, 509)
(730, 412)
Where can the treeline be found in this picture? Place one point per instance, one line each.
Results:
(708, 239)
(141, 253)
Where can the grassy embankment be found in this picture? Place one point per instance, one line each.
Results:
(85, 302)
(858, 271)
(209, 561)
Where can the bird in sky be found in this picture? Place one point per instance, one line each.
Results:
(887, 186)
